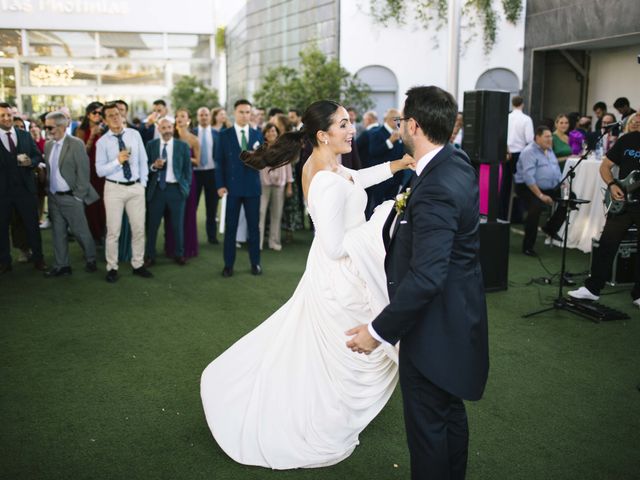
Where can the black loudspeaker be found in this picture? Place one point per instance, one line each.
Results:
(494, 255)
(486, 114)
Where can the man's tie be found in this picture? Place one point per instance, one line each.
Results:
(162, 174)
(12, 146)
(53, 166)
(204, 149)
(126, 168)
(243, 142)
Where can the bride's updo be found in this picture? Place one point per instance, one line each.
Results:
(286, 149)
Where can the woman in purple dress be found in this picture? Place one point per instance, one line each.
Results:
(182, 132)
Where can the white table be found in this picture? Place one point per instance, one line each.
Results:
(587, 222)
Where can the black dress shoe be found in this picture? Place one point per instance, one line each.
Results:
(142, 272)
(227, 271)
(90, 267)
(553, 235)
(40, 265)
(112, 276)
(530, 252)
(180, 261)
(58, 272)
(5, 268)
(256, 270)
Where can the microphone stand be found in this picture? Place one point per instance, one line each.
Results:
(562, 303)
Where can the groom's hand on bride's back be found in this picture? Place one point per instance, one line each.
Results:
(362, 341)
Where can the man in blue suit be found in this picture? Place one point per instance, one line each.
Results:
(19, 155)
(385, 145)
(241, 184)
(168, 187)
(205, 171)
(437, 305)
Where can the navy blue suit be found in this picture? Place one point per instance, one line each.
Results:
(18, 191)
(243, 189)
(379, 153)
(173, 197)
(438, 311)
(206, 180)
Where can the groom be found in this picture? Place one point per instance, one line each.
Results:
(437, 310)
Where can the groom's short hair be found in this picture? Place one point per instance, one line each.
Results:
(435, 111)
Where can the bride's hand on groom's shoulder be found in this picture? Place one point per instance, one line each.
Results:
(405, 162)
(362, 341)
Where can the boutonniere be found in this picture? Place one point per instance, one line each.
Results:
(401, 200)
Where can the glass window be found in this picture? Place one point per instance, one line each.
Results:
(61, 44)
(202, 71)
(189, 46)
(49, 74)
(7, 85)
(132, 45)
(135, 73)
(10, 43)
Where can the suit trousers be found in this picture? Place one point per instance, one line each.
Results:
(252, 212)
(272, 199)
(613, 232)
(67, 212)
(172, 199)
(436, 426)
(118, 199)
(25, 204)
(206, 180)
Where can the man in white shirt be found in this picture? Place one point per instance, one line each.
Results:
(519, 135)
(122, 160)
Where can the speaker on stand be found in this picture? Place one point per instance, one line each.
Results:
(485, 142)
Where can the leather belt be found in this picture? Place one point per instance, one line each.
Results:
(126, 184)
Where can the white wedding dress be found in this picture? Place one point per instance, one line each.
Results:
(290, 394)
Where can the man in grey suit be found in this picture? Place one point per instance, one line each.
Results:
(68, 191)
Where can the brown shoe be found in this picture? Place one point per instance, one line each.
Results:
(180, 261)
(40, 265)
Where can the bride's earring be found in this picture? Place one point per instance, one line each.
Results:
(326, 142)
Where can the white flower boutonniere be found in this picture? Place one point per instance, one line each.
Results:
(401, 200)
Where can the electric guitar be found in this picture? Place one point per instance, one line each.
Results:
(628, 185)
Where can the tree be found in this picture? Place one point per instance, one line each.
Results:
(318, 78)
(191, 93)
(432, 13)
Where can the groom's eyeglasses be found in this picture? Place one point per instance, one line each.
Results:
(398, 121)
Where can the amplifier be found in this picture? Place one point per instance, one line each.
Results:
(625, 261)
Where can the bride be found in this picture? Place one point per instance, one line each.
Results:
(289, 394)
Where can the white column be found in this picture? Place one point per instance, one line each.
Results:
(453, 51)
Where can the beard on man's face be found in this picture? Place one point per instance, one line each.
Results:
(407, 141)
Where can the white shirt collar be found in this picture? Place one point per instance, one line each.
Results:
(373, 125)
(61, 141)
(389, 129)
(169, 143)
(424, 161)
(239, 128)
(12, 131)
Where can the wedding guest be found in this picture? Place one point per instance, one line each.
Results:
(519, 135)
(149, 130)
(561, 147)
(273, 112)
(353, 118)
(275, 184)
(220, 119)
(458, 131)
(122, 160)
(69, 190)
(369, 121)
(168, 188)
(90, 131)
(537, 181)
(205, 173)
(295, 117)
(578, 136)
(624, 109)
(36, 134)
(241, 184)
(19, 155)
(610, 134)
(182, 132)
(599, 110)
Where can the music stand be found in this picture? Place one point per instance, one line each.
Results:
(562, 303)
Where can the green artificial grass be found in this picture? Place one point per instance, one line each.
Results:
(101, 381)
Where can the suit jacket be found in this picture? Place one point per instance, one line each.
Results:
(181, 161)
(9, 163)
(73, 163)
(362, 144)
(214, 136)
(147, 133)
(438, 307)
(379, 152)
(231, 172)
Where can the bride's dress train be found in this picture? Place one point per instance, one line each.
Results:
(290, 394)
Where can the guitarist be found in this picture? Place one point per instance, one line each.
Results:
(626, 155)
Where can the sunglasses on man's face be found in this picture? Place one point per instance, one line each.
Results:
(48, 128)
(96, 112)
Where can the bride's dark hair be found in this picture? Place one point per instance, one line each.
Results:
(286, 149)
